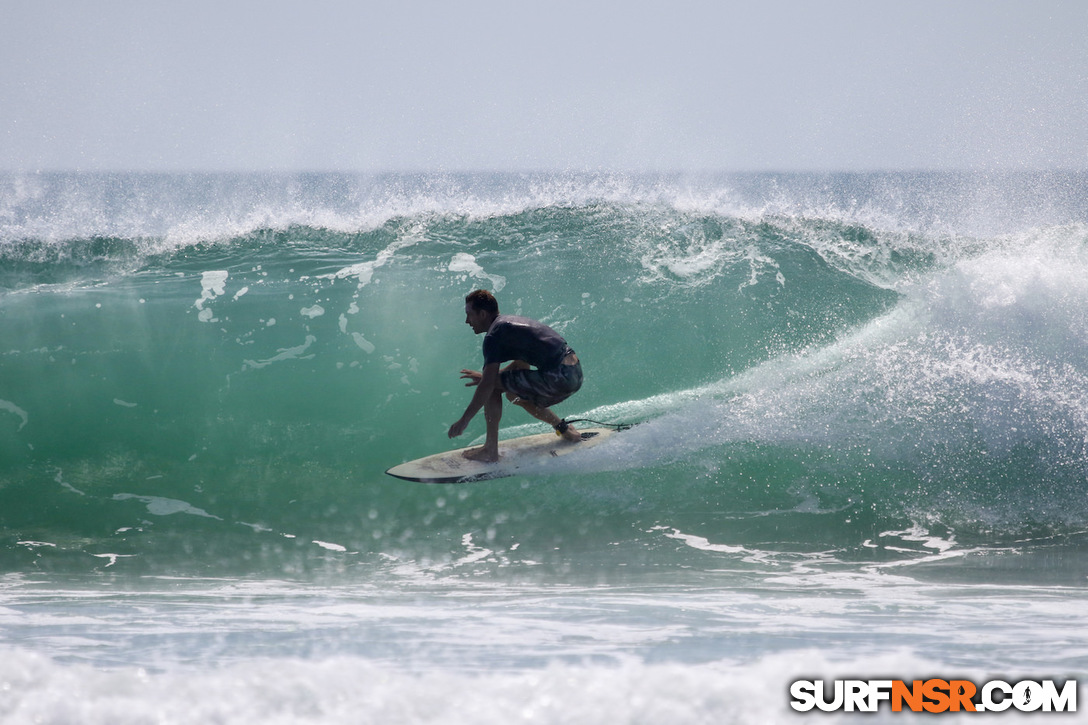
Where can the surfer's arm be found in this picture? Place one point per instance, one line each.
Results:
(473, 376)
(485, 383)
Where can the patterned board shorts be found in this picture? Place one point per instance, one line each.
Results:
(543, 388)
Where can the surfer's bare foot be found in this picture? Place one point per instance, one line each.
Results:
(571, 435)
(481, 454)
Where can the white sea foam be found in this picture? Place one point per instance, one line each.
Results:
(212, 285)
(14, 409)
(349, 690)
(289, 353)
(465, 263)
(162, 506)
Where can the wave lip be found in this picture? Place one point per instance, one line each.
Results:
(184, 209)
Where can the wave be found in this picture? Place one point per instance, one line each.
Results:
(814, 351)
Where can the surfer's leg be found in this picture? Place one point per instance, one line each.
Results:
(492, 415)
(546, 415)
(489, 451)
(536, 390)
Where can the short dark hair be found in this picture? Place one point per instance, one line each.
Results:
(481, 299)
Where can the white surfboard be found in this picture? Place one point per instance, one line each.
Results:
(514, 455)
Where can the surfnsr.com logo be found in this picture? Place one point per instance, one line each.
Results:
(934, 695)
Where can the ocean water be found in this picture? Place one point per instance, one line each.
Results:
(860, 451)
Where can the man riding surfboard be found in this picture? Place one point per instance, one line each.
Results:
(527, 344)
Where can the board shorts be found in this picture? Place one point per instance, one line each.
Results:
(543, 388)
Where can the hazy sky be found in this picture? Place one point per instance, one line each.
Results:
(518, 85)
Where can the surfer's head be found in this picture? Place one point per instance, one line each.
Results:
(481, 309)
(483, 300)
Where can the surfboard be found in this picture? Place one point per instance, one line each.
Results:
(514, 455)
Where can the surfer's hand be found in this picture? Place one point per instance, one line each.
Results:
(473, 377)
(458, 428)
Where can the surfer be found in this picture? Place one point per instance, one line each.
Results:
(527, 344)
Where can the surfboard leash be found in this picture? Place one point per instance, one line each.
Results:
(564, 424)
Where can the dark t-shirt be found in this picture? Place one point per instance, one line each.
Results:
(518, 338)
